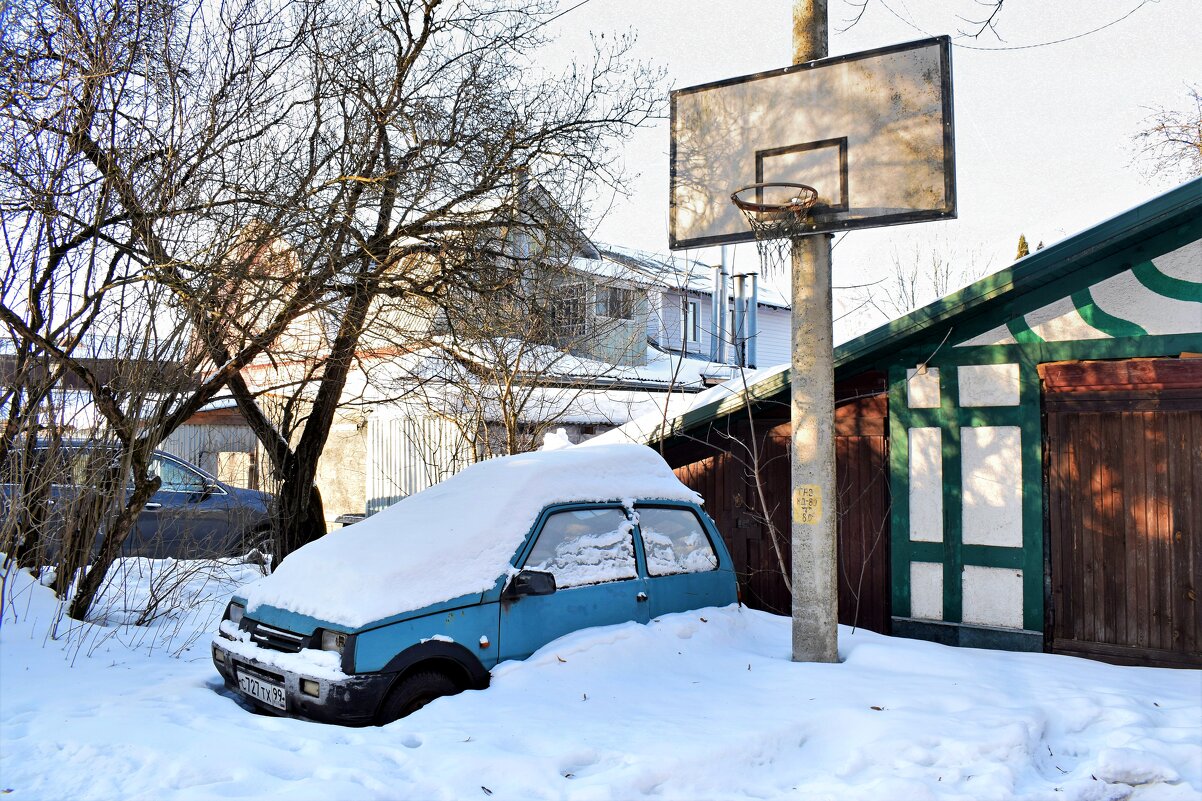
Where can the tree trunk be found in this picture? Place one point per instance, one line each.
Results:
(110, 548)
(300, 517)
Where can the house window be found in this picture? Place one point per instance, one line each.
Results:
(567, 312)
(615, 303)
(690, 322)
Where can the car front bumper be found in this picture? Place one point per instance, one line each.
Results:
(346, 700)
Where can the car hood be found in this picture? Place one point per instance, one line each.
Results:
(253, 499)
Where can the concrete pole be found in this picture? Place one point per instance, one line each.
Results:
(815, 591)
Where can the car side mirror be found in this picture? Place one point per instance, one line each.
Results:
(531, 582)
(205, 492)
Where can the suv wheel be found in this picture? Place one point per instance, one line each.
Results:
(415, 691)
(256, 547)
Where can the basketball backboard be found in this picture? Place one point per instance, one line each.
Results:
(871, 131)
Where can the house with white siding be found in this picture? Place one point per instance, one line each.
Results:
(632, 333)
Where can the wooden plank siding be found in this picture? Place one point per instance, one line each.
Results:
(718, 462)
(1124, 509)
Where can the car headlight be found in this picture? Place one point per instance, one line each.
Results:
(234, 612)
(333, 640)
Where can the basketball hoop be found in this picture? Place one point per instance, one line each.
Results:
(780, 212)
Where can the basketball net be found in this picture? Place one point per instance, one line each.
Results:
(775, 224)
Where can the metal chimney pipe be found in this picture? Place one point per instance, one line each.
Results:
(739, 335)
(715, 313)
(753, 317)
(718, 312)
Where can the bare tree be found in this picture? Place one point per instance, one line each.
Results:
(973, 17)
(263, 162)
(128, 132)
(438, 120)
(1170, 143)
(919, 277)
(508, 367)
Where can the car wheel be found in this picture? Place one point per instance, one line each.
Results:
(256, 546)
(415, 691)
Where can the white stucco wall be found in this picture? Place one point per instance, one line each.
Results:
(922, 389)
(1121, 296)
(992, 596)
(991, 486)
(989, 384)
(926, 590)
(926, 485)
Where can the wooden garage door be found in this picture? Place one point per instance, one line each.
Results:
(1124, 507)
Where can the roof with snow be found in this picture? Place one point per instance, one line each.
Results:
(1109, 247)
(455, 538)
(664, 272)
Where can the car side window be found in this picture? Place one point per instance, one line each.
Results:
(175, 477)
(585, 546)
(675, 542)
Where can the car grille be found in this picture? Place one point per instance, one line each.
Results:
(276, 639)
(259, 673)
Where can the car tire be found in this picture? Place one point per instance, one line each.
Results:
(415, 691)
(257, 546)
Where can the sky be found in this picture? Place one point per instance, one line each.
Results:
(1043, 134)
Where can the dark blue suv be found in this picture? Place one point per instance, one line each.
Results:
(191, 515)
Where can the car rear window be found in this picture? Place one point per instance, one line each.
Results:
(675, 542)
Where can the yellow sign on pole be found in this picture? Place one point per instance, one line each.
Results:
(808, 504)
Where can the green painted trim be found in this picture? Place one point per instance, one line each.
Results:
(1031, 431)
(964, 635)
(923, 418)
(899, 491)
(949, 418)
(1038, 352)
(991, 415)
(1158, 226)
(994, 556)
(926, 552)
(1126, 348)
(1151, 277)
(953, 504)
(1096, 317)
(1129, 348)
(1022, 332)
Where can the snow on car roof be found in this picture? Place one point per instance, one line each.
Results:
(456, 537)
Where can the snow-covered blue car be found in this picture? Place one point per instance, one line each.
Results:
(373, 621)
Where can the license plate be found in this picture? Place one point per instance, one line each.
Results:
(266, 691)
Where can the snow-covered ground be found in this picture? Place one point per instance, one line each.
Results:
(704, 705)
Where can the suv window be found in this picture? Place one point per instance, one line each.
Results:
(73, 466)
(585, 546)
(175, 477)
(675, 542)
